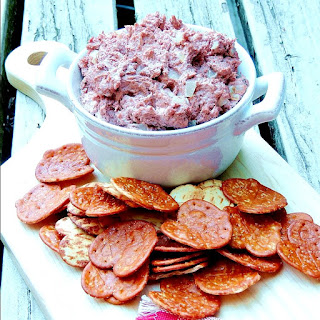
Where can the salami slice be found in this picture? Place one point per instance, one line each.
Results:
(182, 297)
(125, 246)
(252, 197)
(200, 225)
(225, 277)
(148, 195)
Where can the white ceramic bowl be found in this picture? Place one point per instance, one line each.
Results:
(172, 157)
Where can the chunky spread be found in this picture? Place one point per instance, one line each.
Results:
(160, 74)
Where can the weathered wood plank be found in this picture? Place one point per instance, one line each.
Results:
(213, 14)
(285, 37)
(71, 22)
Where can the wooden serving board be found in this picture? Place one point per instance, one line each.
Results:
(56, 285)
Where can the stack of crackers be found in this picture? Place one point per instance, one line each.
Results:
(200, 241)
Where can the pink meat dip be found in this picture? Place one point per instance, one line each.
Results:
(160, 74)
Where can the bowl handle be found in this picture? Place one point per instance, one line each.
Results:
(273, 86)
(32, 69)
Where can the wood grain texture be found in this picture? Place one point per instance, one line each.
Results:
(284, 36)
(71, 22)
(212, 14)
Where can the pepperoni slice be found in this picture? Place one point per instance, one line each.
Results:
(269, 264)
(182, 297)
(105, 284)
(200, 225)
(125, 246)
(50, 236)
(67, 162)
(148, 195)
(42, 201)
(258, 234)
(225, 277)
(252, 197)
(96, 202)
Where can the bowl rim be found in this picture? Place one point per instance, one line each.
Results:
(102, 124)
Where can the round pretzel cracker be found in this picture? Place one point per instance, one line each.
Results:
(162, 275)
(42, 201)
(200, 225)
(183, 298)
(73, 249)
(252, 197)
(303, 232)
(165, 261)
(165, 244)
(124, 246)
(92, 226)
(225, 277)
(50, 236)
(259, 234)
(268, 264)
(65, 227)
(67, 162)
(100, 283)
(179, 266)
(304, 258)
(148, 195)
(209, 190)
(96, 202)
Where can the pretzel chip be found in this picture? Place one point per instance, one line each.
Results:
(180, 266)
(252, 197)
(259, 234)
(73, 249)
(103, 283)
(182, 297)
(169, 260)
(67, 162)
(163, 275)
(90, 225)
(304, 258)
(225, 277)
(65, 226)
(268, 264)
(124, 246)
(96, 202)
(50, 236)
(165, 244)
(42, 201)
(209, 190)
(200, 225)
(148, 195)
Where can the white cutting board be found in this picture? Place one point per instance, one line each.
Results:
(56, 286)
